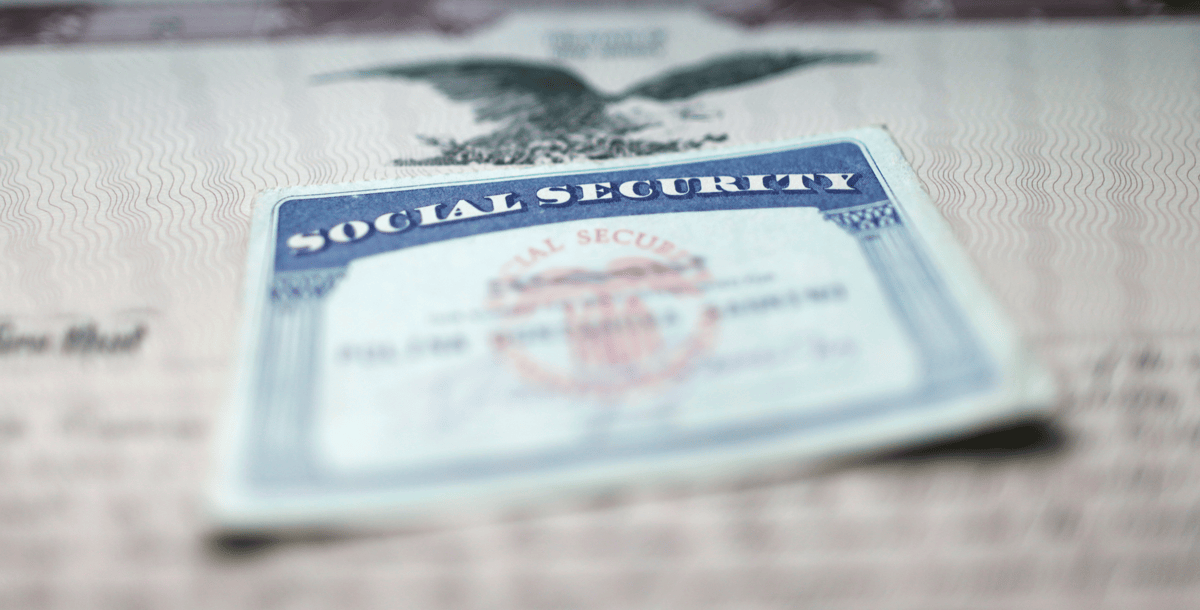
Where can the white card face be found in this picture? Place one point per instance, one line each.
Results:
(414, 344)
(424, 368)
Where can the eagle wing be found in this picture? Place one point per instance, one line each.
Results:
(731, 70)
(500, 89)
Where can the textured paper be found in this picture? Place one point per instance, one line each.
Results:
(1061, 154)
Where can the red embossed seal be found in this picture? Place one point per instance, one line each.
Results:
(608, 312)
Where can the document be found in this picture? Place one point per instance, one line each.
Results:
(417, 343)
(1061, 155)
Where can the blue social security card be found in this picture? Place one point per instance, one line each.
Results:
(415, 345)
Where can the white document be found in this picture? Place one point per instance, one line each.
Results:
(1062, 155)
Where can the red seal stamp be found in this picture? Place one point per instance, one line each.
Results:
(606, 313)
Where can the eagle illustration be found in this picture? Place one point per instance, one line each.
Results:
(548, 114)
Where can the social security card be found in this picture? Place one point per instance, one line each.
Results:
(416, 345)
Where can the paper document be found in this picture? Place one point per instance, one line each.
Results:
(413, 344)
(1061, 154)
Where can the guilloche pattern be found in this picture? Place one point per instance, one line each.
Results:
(1063, 156)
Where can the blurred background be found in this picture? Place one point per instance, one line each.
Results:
(103, 458)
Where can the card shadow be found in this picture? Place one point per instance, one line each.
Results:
(1032, 439)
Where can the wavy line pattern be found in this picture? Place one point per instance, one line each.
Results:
(1065, 159)
(1063, 156)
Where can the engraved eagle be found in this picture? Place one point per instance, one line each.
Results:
(547, 113)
